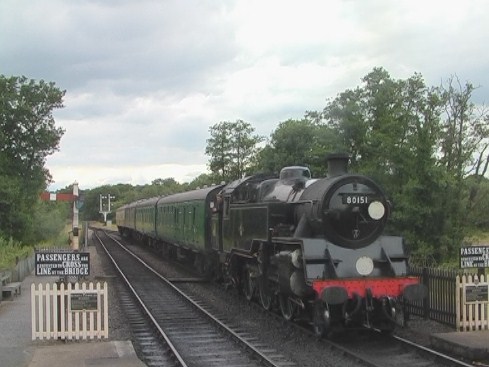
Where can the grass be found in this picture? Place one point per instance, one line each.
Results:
(478, 238)
(11, 251)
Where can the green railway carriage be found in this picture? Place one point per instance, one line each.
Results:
(184, 219)
(120, 216)
(145, 217)
(126, 217)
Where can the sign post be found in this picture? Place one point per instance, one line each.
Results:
(47, 196)
(474, 257)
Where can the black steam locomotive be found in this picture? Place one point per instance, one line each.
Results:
(313, 247)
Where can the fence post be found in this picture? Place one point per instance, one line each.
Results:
(426, 300)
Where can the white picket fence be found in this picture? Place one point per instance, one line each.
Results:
(472, 314)
(54, 318)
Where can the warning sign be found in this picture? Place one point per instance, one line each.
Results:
(476, 293)
(83, 301)
(62, 263)
(474, 257)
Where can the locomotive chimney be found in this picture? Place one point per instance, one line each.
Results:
(337, 164)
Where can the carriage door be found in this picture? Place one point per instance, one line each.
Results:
(216, 225)
(193, 228)
(185, 224)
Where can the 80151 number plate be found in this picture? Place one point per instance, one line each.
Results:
(355, 199)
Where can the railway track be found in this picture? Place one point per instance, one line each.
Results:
(191, 335)
(373, 349)
(377, 350)
(364, 349)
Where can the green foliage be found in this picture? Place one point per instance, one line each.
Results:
(202, 180)
(10, 251)
(290, 144)
(49, 220)
(418, 142)
(299, 142)
(232, 148)
(477, 203)
(27, 136)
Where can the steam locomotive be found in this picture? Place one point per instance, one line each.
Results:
(313, 248)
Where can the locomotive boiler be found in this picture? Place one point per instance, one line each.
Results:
(312, 248)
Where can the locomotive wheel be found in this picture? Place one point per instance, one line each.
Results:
(320, 320)
(395, 316)
(266, 296)
(248, 284)
(287, 307)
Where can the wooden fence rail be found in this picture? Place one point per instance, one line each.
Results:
(69, 312)
(445, 302)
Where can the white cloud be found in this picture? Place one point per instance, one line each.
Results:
(145, 80)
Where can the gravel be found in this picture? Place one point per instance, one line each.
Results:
(102, 270)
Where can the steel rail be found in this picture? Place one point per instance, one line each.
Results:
(433, 352)
(247, 345)
(173, 350)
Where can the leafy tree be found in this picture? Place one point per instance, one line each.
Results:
(463, 148)
(478, 188)
(219, 148)
(298, 142)
(49, 219)
(169, 182)
(231, 147)
(205, 179)
(27, 136)
(391, 128)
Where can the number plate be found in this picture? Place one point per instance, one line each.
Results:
(355, 199)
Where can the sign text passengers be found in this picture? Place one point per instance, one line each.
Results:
(62, 263)
(474, 257)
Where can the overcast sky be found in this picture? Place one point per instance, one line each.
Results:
(146, 79)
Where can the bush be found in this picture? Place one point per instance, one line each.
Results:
(10, 251)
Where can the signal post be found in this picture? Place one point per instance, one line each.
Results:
(47, 196)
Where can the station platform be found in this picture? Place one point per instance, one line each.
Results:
(114, 353)
(17, 349)
(472, 345)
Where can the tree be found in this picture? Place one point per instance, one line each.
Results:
(298, 142)
(391, 129)
(231, 147)
(204, 179)
(27, 136)
(219, 148)
(463, 147)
